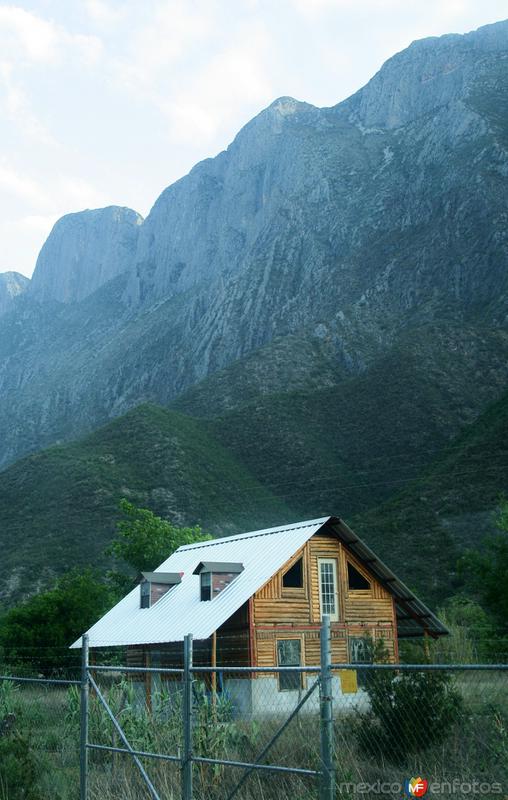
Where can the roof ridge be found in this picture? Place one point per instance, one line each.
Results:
(253, 534)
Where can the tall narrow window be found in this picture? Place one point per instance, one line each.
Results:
(145, 594)
(289, 654)
(206, 585)
(361, 652)
(328, 587)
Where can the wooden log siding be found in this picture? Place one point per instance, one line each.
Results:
(285, 613)
(276, 612)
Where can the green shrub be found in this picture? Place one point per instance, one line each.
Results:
(18, 769)
(409, 712)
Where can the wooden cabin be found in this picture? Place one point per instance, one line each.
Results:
(257, 599)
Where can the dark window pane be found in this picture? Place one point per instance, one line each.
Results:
(289, 655)
(355, 579)
(293, 578)
(360, 652)
(206, 586)
(145, 594)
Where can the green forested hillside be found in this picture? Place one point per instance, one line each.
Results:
(349, 445)
(58, 507)
(449, 508)
(261, 465)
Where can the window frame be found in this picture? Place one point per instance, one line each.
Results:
(335, 572)
(357, 592)
(281, 674)
(294, 591)
(209, 587)
(145, 593)
(362, 676)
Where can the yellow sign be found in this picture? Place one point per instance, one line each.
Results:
(348, 681)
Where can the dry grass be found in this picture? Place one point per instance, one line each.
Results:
(475, 749)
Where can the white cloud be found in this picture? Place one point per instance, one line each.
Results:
(19, 29)
(28, 42)
(26, 36)
(200, 67)
(209, 101)
(17, 108)
(22, 186)
(174, 29)
(103, 13)
(45, 197)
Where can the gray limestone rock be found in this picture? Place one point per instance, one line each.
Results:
(84, 251)
(12, 284)
(348, 226)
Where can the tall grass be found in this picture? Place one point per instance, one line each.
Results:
(475, 746)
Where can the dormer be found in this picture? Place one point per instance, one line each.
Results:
(215, 576)
(154, 585)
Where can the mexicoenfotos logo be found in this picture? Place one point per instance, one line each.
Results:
(415, 787)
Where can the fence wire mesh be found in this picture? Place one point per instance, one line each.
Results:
(448, 726)
(264, 719)
(39, 740)
(445, 725)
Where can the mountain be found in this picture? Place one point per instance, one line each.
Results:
(349, 224)
(349, 446)
(58, 507)
(85, 251)
(327, 298)
(258, 468)
(12, 284)
(451, 506)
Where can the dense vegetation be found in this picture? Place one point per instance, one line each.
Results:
(58, 508)
(281, 458)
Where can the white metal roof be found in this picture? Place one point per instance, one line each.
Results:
(180, 610)
(262, 553)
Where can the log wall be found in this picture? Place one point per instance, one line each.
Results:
(283, 613)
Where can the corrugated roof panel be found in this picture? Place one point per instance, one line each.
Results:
(180, 611)
(405, 599)
(263, 553)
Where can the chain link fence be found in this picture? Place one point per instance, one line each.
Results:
(39, 738)
(272, 733)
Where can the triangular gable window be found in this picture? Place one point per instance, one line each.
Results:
(355, 579)
(293, 578)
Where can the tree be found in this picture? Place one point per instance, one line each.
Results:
(471, 631)
(144, 541)
(408, 711)
(40, 630)
(486, 572)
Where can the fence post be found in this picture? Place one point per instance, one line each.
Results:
(327, 780)
(83, 739)
(187, 719)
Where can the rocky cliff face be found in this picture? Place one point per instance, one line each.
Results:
(430, 74)
(346, 226)
(12, 284)
(85, 251)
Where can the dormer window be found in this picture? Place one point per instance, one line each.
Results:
(215, 576)
(206, 585)
(145, 594)
(154, 585)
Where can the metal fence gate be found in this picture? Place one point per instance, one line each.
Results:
(210, 752)
(197, 732)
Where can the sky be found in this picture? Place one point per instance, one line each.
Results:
(107, 102)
